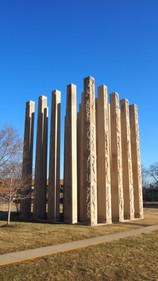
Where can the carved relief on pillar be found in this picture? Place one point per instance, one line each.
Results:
(90, 176)
(136, 162)
(127, 161)
(103, 157)
(116, 160)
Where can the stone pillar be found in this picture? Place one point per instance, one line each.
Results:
(116, 160)
(54, 161)
(89, 152)
(66, 167)
(41, 160)
(78, 158)
(127, 161)
(136, 162)
(103, 157)
(70, 180)
(25, 204)
(81, 189)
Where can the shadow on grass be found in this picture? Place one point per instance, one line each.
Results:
(8, 225)
(136, 224)
(15, 217)
(4, 216)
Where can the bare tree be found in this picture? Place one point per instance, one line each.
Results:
(153, 173)
(12, 184)
(145, 177)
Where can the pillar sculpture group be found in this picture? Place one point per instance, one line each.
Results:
(102, 166)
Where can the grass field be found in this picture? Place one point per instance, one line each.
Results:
(128, 259)
(26, 235)
(131, 259)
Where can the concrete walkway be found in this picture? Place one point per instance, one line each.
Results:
(16, 257)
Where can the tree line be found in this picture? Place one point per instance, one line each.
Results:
(150, 176)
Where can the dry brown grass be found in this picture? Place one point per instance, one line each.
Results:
(130, 259)
(26, 235)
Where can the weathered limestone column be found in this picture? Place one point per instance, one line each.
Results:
(54, 161)
(103, 157)
(25, 204)
(136, 162)
(66, 167)
(70, 180)
(127, 161)
(41, 160)
(116, 160)
(78, 158)
(81, 188)
(90, 169)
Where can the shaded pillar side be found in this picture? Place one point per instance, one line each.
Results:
(25, 204)
(54, 160)
(41, 160)
(70, 181)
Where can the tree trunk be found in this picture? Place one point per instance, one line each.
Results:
(9, 212)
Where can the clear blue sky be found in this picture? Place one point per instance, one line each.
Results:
(47, 44)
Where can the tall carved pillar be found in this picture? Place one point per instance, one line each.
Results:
(81, 189)
(41, 160)
(70, 180)
(136, 163)
(116, 160)
(103, 157)
(78, 158)
(89, 152)
(127, 161)
(25, 204)
(66, 167)
(54, 160)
